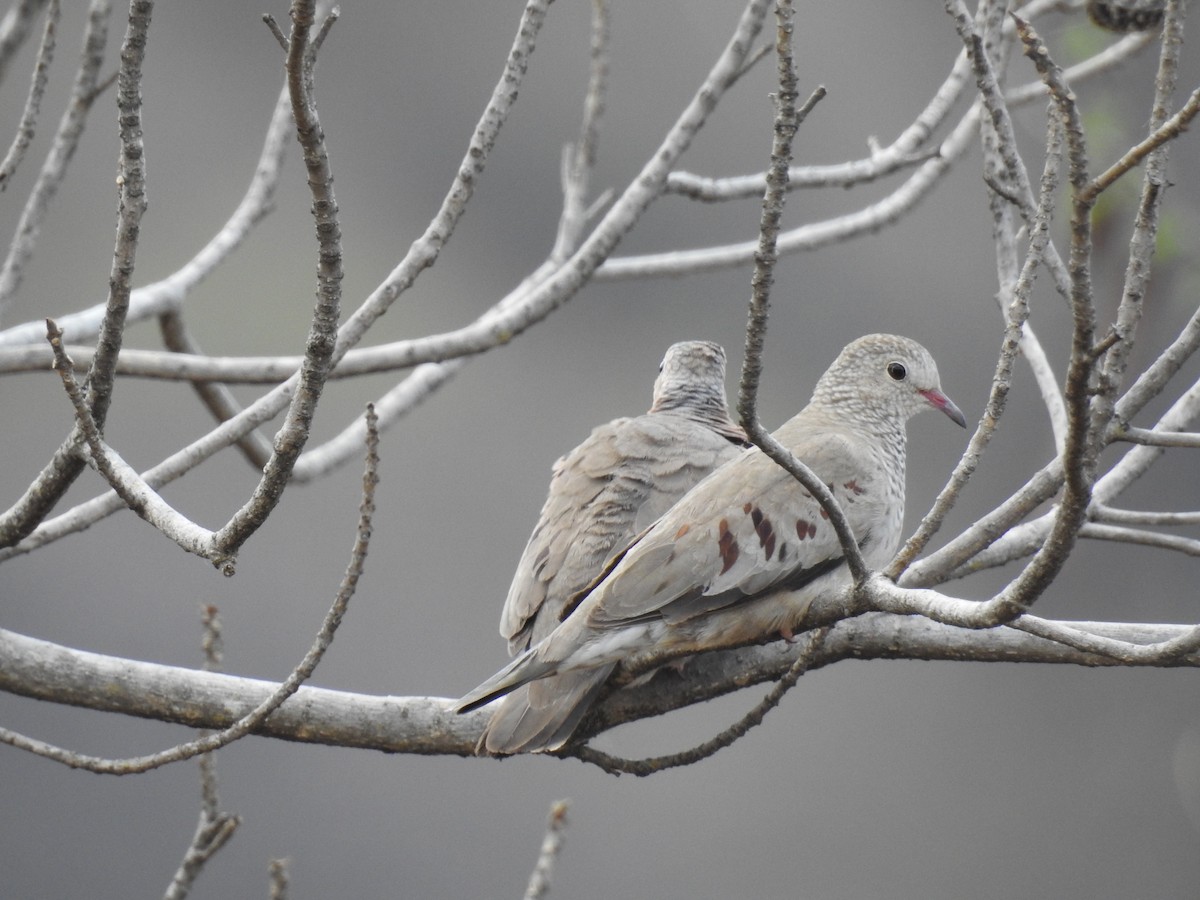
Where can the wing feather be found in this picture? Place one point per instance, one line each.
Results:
(602, 494)
(751, 531)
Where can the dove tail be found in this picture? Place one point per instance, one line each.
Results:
(543, 715)
(525, 668)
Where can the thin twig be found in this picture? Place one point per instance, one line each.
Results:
(65, 465)
(1080, 450)
(1141, 537)
(616, 765)
(277, 869)
(170, 293)
(1016, 336)
(322, 336)
(1164, 652)
(217, 398)
(1151, 437)
(1169, 130)
(870, 218)
(33, 102)
(1008, 543)
(1144, 239)
(539, 880)
(14, 29)
(131, 204)
(257, 716)
(787, 121)
(121, 477)
(1113, 516)
(494, 327)
(579, 159)
(214, 827)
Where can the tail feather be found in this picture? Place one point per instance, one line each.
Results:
(543, 715)
(525, 668)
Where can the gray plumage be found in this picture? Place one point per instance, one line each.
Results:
(603, 494)
(743, 555)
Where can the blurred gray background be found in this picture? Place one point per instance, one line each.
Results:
(897, 780)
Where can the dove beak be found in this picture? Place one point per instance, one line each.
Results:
(938, 400)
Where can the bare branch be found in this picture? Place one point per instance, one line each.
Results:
(214, 828)
(15, 28)
(33, 102)
(787, 121)
(539, 881)
(217, 398)
(1161, 652)
(1154, 438)
(131, 204)
(1113, 516)
(424, 725)
(121, 477)
(1081, 448)
(211, 835)
(277, 868)
(170, 293)
(1008, 543)
(902, 153)
(580, 158)
(1017, 335)
(1133, 157)
(65, 465)
(255, 718)
(322, 334)
(643, 767)
(1144, 239)
(1188, 546)
(496, 326)
(869, 219)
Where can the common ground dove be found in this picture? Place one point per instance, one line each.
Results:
(744, 554)
(602, 494)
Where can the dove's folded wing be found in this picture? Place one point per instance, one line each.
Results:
(748, 530)
(602, 494)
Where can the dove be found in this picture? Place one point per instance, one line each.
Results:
(744, 554)
(602, 494)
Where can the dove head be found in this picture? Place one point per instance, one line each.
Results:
(692, 374)
(884, 377)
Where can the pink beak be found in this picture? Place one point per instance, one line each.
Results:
(938, 400)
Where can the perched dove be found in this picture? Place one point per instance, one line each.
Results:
(602, 494)
(743, 555)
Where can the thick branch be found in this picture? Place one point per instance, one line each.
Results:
(428, 725)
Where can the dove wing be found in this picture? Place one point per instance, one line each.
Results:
(602, 494)
(747, 530)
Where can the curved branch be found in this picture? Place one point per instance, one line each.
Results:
(322, 335)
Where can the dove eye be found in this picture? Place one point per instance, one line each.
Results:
(897, 371)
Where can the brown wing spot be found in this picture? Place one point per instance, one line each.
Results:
(783, 547)
(764, 529)
(747, 507)
(854, 487)
(683, 529)
(727, 546)
(824, 513)
(805, 529)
